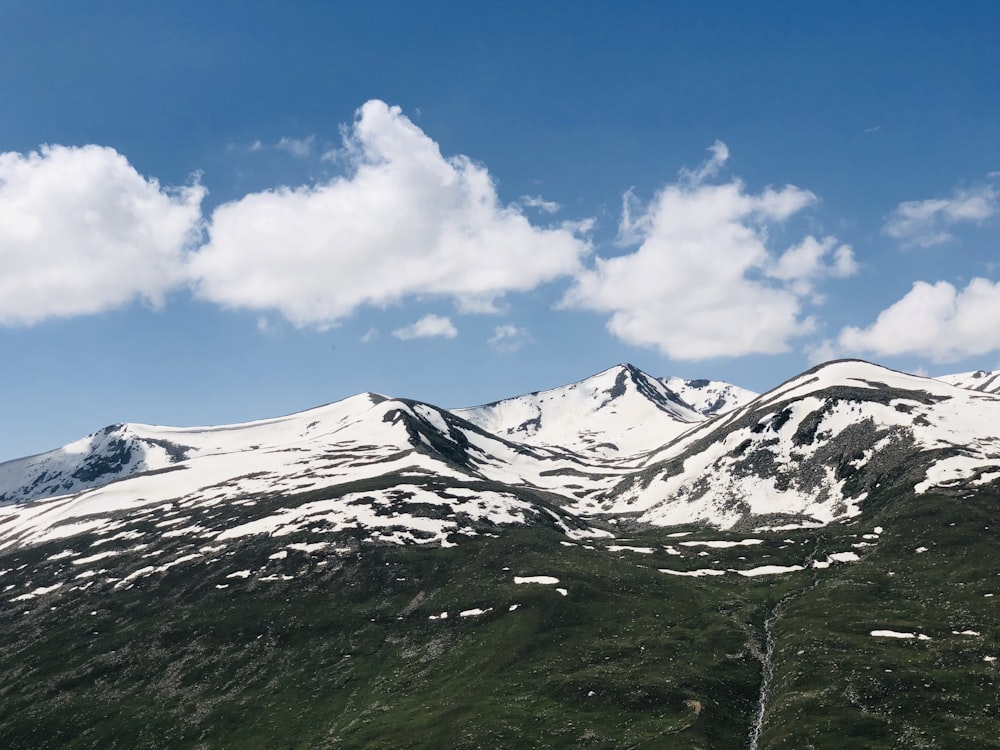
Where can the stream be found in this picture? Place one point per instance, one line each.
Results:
(767, 655)
(767, 670)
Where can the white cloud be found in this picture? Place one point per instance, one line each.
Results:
(936, 321)
(536, 201)
(370, 335)
(427, 327)
(509, 338)
(81, 231)
(711, 167)
(702, 282)
(925, 223)
(403, 221)
(806, 263)
(267, 327)
(300, 148)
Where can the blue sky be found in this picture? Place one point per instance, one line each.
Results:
(212, 212)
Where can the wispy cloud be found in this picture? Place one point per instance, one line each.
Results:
(300, 148)
(710, 167)
(536, 201)
(509, 338)
(429, 326)
(927, 223)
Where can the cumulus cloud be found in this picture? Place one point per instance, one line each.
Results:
(427, 327)
(702, 282)
(937, 321)
(508, 338)
(81, 231)
(812, 260)
(926, 223)
(403, 220)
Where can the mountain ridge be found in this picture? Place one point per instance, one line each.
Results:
(797, 453)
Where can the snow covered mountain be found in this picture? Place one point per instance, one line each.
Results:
(400, 470)
(979, 380)
(811, 450)
(709, 397)
(619, 412)
(620, 446)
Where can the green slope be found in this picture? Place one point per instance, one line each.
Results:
(345, 654)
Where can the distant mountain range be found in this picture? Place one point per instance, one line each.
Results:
(658, 450)
(626, 561)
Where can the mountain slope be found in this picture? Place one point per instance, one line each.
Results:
(619, 412)
(398, 470)
(811, 450)
(978, 380)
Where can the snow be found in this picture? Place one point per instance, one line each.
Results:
(141, 572)
(696, 573)
(474, 612)
(898, 634)
(544, 580)
(625, 548)
(564, 592)
(94, 558)
(769, 570)
(723, 544)
(58, 556)
(618, 412)
(979, 380)
(843, 557)
(920, 550)
(790, 526)
(578, 442)
(308, 547)
(966, 632)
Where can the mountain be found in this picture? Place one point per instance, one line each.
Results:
(978, 380)
(622, 562)
(619, 412)
(401, 470)
(811, 450)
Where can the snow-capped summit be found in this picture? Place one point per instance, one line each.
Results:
(621, 411)
(814, 447)
(391, 469)
(979, 380)
(709, 397)
(123, 450)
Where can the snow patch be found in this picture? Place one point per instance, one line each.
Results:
(898, 634)
(544, 580)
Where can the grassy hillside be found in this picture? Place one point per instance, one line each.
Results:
(263, 646)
